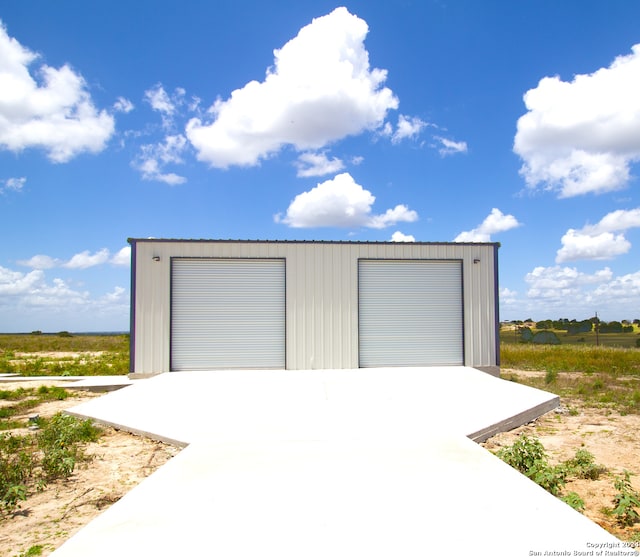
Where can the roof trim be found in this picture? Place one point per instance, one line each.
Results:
(230, 241)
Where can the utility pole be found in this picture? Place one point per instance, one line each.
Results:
(597, 327)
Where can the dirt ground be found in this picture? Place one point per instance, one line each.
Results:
(613, 439)
(121, 460)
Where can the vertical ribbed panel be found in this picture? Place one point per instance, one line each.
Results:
(410, 313)
(227, 313)
(321, 295)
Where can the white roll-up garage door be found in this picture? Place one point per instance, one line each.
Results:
(410, 313)
(227, 313)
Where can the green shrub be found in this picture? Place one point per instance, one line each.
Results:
(61, 441)
(626, 501)
(33, 551)
(550, 478)
(29, 461)
(574, 501)
(583, 465)
(545, 337)
(16, 467)
(526, 335)
(527, 455)
(524, 454)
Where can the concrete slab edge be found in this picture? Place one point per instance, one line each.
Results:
(95, 388)
(92, 383)
(515, 421)
(132, 430)
(14, 378)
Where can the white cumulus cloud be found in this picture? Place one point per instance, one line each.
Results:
(450, 147)
(40, 262)
(317, 164)
(617, 220)
(82, 260)
(577, 245)
(625, 290)
(50, 109)
(14, 282)
(398, 236)
(409, 127)
(561, 291)
(400, 213)
(495, 222)
(123, 105)
(12, 184)
(33, 302)
(123, 257)
(604, 240)
(582, 136)
(167, 105)
(118, 295)
(153, 158)
(557, 282)
(320, 89)
(341, 202)
(85, 259)
(159, 99)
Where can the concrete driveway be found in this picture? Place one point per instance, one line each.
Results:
(330, 462)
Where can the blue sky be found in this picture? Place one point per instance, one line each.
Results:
(513, 122)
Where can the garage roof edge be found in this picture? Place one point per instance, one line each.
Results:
(231, 241)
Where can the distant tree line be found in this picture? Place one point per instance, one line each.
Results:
(574, 327)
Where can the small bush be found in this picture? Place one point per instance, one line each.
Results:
(545, 337)
(61, 440)
(523, 454)
(527, 455)
(583, 465)
(574, 501)
(626, 501)
(16, 466)
(526, 335)
(550, 478)
(33, 551)
(27, 462)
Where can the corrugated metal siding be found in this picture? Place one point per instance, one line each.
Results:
(410, 313)
(227, 313)
(321, 296)
(321, 308)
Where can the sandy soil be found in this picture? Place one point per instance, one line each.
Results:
(121, 460)
(613, 439)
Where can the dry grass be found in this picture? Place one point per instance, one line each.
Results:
(601, 376)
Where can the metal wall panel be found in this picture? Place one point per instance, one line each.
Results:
(410, 313)
(227, 313)
(321, 295)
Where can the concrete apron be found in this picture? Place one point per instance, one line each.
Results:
(330, 462)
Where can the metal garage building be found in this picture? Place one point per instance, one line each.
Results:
(225, 304)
